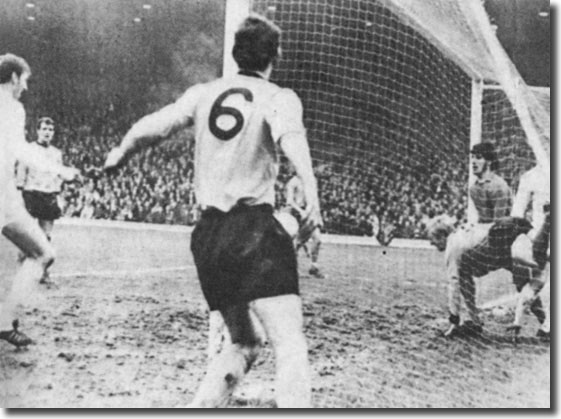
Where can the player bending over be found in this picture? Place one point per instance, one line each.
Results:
(296, 201)
(16, 223)
(40, 187)
(472, 251)
(245, 260)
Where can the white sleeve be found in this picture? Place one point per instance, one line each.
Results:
(165, 121)
(285, 115)
(522, 198)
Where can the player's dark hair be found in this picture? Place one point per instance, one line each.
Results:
(44, 120)
(256, 43)
(488, 152)
(10, 64)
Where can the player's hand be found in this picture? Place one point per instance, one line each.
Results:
(311, 219)
(93, 172)
(114, 160)
(70, 174)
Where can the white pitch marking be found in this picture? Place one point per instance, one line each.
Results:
(509, 299)
(123, 272)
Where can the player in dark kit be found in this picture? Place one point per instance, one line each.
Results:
(40, 188)
(476, 249)
(245, 260)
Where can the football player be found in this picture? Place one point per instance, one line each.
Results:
(245, 260)
(41, 188)
(296, 201)
(532, 280)
(17, 225)
(474, 250)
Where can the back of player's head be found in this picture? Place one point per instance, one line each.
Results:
(487, 151)
(10, 64)
(440, 225)
(257, 43)
(44, 120)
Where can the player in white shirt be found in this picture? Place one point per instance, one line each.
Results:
(245, 259)
(474, 250)
(16, 223)
(40, 188)
(296, 201)
(532, 282)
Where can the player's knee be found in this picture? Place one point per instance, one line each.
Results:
(47, 256)
(251, 353)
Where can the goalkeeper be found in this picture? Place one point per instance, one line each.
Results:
(474, 250)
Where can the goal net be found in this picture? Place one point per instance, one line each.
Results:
(395, 94)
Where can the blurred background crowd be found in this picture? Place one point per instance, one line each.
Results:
(388, 125)
(357, 197)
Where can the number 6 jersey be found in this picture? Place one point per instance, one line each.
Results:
(238, 121)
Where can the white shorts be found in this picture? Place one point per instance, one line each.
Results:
(14, 207)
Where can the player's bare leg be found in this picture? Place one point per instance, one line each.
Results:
(541, 241)
(283, 322)
(47, 226)
(31, 240)
(454, 304)
(231, 364)
(282, 319)
(301, 245)
(315, 245)
(535, 277)
(544, 296)
(467, 288)
(218, 335)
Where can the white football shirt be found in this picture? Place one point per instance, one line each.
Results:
(238, 122)
(534, 188)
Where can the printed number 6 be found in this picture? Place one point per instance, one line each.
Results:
(217, 110)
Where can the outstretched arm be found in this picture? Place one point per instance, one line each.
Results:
(154, 128)
(28, 156)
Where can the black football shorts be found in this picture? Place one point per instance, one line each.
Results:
(243, 255)
(41, 205)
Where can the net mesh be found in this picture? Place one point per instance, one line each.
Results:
(387, 93)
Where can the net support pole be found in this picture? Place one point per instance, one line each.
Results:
(507, 75)
(236, 11)
(475, 131)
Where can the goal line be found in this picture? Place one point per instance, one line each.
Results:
(180, 229)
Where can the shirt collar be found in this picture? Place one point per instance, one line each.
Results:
(487, 177)
(250, 74)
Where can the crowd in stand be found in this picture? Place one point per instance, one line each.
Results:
(357, 198)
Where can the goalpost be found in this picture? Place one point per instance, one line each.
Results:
(395, 93)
